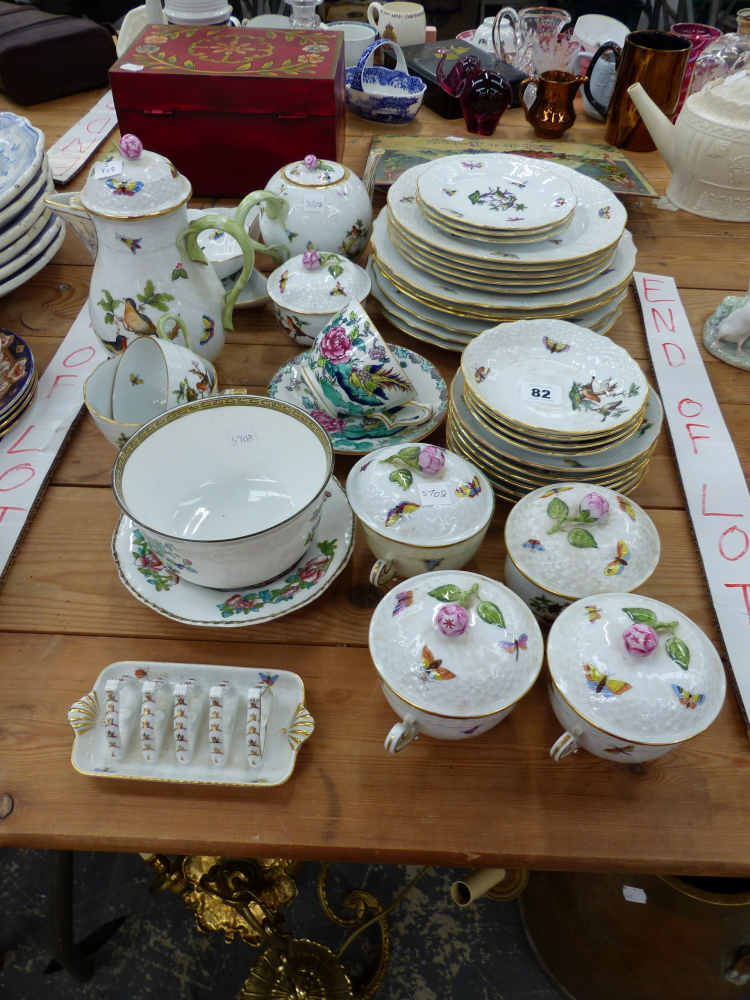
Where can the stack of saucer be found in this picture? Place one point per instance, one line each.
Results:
(18, 380)
(537, 401)
(30, 232)
(470, 240)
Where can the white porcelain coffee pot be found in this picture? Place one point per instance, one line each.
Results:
(708, 149)
(148, 263)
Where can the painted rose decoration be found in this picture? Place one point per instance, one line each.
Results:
(336, 345)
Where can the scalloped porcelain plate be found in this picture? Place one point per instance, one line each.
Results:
(598, 223)
(554, 376)
(20, 277)
(496, 191)
(285, 725)
(497, 307)
(21, 154)
(357, 435)
(147, 579)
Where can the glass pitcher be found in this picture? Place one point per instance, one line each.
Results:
(536, 30)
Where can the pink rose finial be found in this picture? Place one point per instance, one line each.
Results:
(311, 162)
(311, 260)
(431, 460)
(336, 345)
(130, 146)
(640, 640)
(595, 504)
(452, 619)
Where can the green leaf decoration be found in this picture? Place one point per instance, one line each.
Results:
(557, 508)
(408, 455)
(448, 593)
(582, 539)
(335, 270)
(642, 615)
(403, 477)
(678, 651)
(575, 395)
(328, 548)
(490, 613)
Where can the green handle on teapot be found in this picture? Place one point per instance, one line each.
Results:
(162, 322)
(277, 207)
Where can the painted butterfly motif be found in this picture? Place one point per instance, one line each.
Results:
(481, 374)
(468, 732)
(135, 379)
(430, 564)
(469, 490)
(533, 544)
(366, 466)
(626, 507)
(556, 489)
(283, 281)
(400, 510)
(433, 671)
(449, 191)
(128, 188)
(471, 166)
(627, 750)
(269, 679)
(337, 289)
(132, 244)
(513, 647)
(602, 684)
(573, 463)
(403, 600)
(604, 213)
(686, 698)
(619, 563)
(554, 347)
(594, 613)
(208, 329)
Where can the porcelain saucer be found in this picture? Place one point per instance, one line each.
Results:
(145, 576)
(254, 292)
(359, 435)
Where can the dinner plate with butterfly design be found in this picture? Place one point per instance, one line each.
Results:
(154, 584)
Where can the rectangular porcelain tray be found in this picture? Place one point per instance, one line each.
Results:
(289, 725)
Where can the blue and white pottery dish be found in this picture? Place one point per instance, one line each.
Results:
(21, 152)
(16, 368)
(386, 96)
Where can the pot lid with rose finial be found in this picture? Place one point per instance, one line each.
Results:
(635, 668)
(456, 644)
(420, 494)
(314, 172)
(574, 539)
(317, 282)
(133, 183)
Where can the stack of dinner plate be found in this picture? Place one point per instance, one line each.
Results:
(18, 379)
(30, 233)
(534, 402)
(467, 241)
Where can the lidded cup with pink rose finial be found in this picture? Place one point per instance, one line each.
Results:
(572, 539)
(455, 652)
(421, 508)
(308, 290)
(630, 678)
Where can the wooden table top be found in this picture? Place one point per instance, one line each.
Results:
(496, 800)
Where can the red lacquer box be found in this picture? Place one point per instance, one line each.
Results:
(230, 106)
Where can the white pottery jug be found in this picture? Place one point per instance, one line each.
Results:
(708, 149)
(148, 262)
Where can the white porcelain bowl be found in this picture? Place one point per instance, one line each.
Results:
(97, 395)
(228, 490)
(306, 299)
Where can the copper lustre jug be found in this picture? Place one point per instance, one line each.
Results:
(551, 112)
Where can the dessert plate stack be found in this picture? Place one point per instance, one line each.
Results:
(30, 232)
(470, 240)
(534, 402)
(18, 380)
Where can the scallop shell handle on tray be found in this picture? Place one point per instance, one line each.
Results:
(84, 713)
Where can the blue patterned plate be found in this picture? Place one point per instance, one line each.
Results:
(21, 153)
(359, 435)
(16, 368)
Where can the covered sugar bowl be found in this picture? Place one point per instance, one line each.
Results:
(572, 539)
(455, 652)
(630, 678)
(329, 209)
(421, 508)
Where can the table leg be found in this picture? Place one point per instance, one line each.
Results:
(61, 917)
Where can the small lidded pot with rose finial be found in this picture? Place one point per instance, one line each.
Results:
(630, 678)
(455, 653)
(329, 209)
(572, 539)
(309, 290)
(421, 508)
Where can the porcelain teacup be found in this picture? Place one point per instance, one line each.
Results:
(97, 395)
(155, 375)
(351, 370)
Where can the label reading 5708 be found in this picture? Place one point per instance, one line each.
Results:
(434, 494)
(313, 202)
(242, 437)
(541, 392)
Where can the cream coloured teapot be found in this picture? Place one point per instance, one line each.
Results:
(708, 149)
(149, 267)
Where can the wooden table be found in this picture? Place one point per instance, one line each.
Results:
(497, 800)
